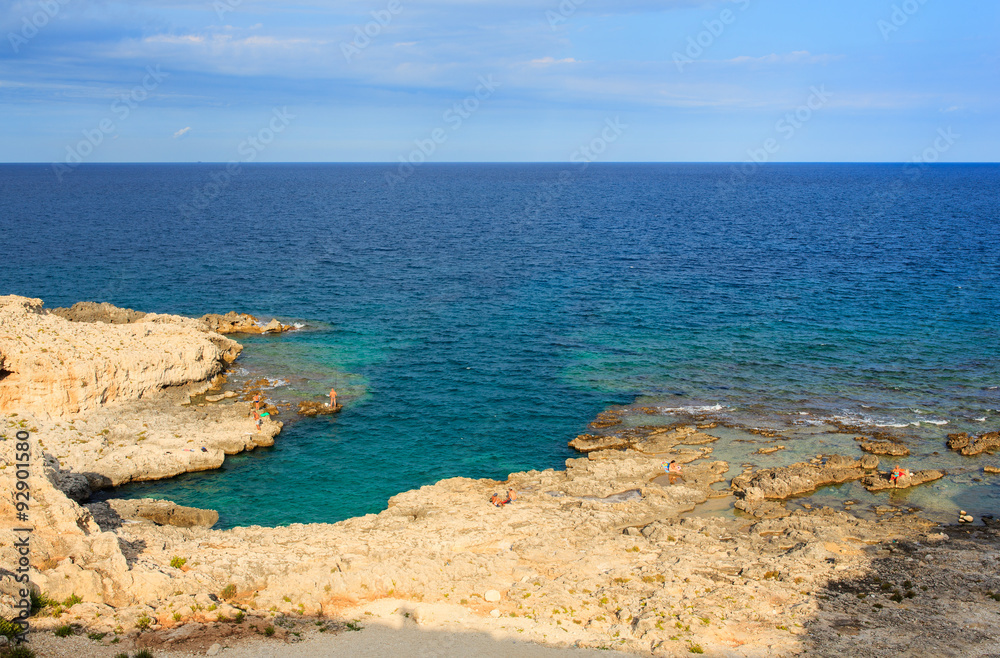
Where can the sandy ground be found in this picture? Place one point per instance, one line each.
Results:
(382, 638)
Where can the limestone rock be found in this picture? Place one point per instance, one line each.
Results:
(781, 483)
(492, 596)
(882, 481)
(241, 323)
(969, 446)
(164, 512)
(311, 409)
(52, 366)
(98, 312)
(592, 442)
(885, 448)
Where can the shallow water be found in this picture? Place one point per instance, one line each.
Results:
(473, 331)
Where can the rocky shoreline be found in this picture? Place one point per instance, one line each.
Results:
(604, 554)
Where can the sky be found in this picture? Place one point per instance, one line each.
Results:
(499, 81)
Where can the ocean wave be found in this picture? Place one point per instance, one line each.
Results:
(298, 325)
(934, 422)
(692, 409)
(980, 420)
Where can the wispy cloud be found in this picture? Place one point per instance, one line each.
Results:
(795, 57)
(181, 132)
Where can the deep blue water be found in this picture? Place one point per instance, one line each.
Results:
(476, 317)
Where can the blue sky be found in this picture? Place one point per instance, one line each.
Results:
(870, 80)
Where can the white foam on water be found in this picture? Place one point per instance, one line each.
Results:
(692, 409)
(980, 420)
(298, 325)
(935, 422)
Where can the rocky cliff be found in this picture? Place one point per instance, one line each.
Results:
(51, 366)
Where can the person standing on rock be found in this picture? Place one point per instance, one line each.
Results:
(333, 399)
(256, 402)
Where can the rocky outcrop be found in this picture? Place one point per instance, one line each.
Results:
(650, 440)
(755, 489)
(160, 512)
(98, 312)
(50, 366)
(888, 448)
(242, 323)
(311, 409)
(970, 446)
(882, 481)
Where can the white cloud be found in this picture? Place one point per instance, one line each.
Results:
(181, 132)
(794, 57)
(549, 61)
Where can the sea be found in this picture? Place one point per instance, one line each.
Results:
(474, 318)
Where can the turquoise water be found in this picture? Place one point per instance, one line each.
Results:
(476, 317)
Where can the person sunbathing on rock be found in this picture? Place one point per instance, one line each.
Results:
(500, 502)
(897, 472)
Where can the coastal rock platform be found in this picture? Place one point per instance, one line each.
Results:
(603, 554)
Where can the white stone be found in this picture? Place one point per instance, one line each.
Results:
(492, 595)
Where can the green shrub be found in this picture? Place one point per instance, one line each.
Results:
(72, 601)
(64, 631)
(96, 637)
(39, 601)
(143, 653)
(9, 629)
(143, 623)
(696, 648)
(229, 591)
(121, 655)
(269, 631)
(19, 651)
(178, 562)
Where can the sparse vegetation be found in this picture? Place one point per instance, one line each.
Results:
(696, 648)
(72, 601)
(228, 592)
(63, 631)
(269, 631)
(178, 562)
(143, 623)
